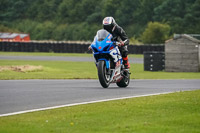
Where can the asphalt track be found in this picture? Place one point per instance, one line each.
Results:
(61, 58)
(22, 95)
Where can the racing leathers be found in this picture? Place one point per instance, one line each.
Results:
(119, 35)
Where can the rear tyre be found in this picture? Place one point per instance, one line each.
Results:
(124, 82)
(104, 78)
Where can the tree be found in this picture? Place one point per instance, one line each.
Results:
(178, 14)
(155, 33)
(6, 29)
(79, 19)
(192, 19)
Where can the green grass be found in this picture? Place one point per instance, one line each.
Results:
(171, 113)
(56, 54)
(139, 73)
(51, 70)
(82, 70)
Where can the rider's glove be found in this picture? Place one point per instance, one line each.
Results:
(89, 48)
(119, 44)
(122, 43)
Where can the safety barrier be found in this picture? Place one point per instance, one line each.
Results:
(67, 47)
(154, 61)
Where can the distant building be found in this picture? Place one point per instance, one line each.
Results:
(182, 54)
(14, 37)
(24, 37)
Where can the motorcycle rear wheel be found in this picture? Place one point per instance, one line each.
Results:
(124, 82)
(104, 78)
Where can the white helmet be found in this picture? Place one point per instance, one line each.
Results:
(109, 23)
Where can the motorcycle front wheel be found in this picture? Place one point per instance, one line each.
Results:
(104, 78)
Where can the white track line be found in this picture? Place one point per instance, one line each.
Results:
(74, 104)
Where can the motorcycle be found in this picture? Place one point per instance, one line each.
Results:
(109, 61)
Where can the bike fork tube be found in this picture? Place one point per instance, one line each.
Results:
(107, 64)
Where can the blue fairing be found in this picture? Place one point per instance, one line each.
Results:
(101, 47)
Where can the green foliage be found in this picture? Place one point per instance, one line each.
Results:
(134, 41)
(76, 19)
(184, 17)
(155, 33)
(6, 29)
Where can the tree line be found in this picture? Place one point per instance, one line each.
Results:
(80, 19)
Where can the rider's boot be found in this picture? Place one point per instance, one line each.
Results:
(126, 62)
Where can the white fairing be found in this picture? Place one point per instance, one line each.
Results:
(115, 53)
(117, 73)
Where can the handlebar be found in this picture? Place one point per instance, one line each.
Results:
(118, 44)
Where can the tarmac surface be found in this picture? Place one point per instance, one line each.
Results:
(61, 58)
(22, 95)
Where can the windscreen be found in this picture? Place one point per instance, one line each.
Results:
(102, 34)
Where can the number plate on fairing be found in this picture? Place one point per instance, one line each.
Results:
(115, 53)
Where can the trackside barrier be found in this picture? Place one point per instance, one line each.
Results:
(67, 47)
(154, 61)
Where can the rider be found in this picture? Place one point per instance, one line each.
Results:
(118, 34)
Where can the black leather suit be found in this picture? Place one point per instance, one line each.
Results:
(119, 35)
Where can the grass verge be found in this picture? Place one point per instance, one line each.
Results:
(81, 70)
(170, 113)
(51, 70)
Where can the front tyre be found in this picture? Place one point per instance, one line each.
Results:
(104, 78)
(124, 82)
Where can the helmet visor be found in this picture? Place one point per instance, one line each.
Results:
(108, 27)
